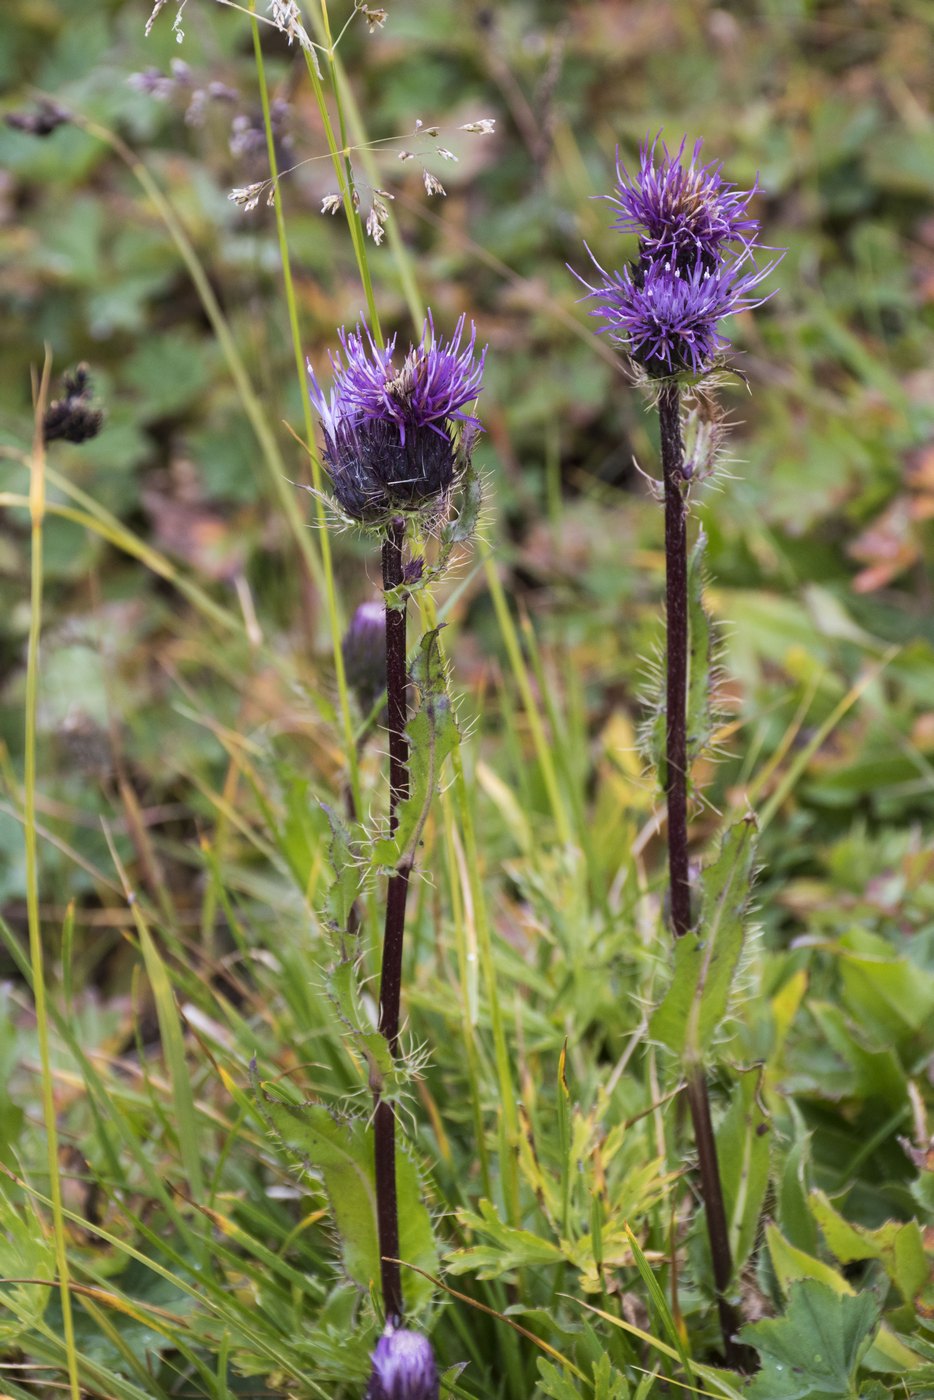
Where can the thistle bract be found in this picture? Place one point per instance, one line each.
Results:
(390, 422)
(403, 1367)
(694, 268)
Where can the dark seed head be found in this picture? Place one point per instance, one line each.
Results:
(72, 418)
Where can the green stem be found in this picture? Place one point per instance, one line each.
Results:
(334, 619)
(36, 955)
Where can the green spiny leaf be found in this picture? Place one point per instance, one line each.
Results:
(706, 959)
(432, 734)
(700, 716)
(343, 892)
(743, 1150)
(340, 1153)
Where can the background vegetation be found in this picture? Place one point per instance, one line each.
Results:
(188, 721)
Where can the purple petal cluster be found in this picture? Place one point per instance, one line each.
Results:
(668, 316)
(681, 209)
(403, 1367)
(695, 264)
(388, 419)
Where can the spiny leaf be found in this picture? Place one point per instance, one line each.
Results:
(743, 1149)
(700, 716)
(706, 960)
(432, 734)
(340, 1152)
(343, 892)
(385, 1075)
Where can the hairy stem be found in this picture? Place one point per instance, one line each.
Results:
(676, 611)
(390, 987)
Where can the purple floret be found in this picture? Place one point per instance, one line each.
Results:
(403, 1367)
(387, 422)
(680, 208)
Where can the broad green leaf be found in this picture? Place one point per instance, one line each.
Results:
(815, 1348)
(339, 1151)
(706, 959)
(743, 1140)
(792, 1265)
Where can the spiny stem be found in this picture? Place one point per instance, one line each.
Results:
(390, 987)
(676, 613)
(676, 610)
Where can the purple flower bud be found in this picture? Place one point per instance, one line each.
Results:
(403, 1367)
(388, 425)
(364, 649)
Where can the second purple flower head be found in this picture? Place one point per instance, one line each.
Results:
(695, 264)
(392, 442)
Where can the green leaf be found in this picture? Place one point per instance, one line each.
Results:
(814, 1349)
(385, 1076)
(508, 1249)
(706, 960)
(556, 1384)
(339, 1151)
(743, 1150)
(700, 717)
(27, 1252)
(794, 1214)
(898, 1244)
(793, 1265)
(891, 996)
(432, 734)
(343, 892)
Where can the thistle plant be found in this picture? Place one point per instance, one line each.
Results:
(398, 440)
(695, 265)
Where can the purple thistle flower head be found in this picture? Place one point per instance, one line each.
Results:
(668, 316)
(403, 1367)
(388, 420)
(695, 266)
(680, 208)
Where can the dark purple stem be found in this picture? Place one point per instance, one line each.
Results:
(676, 608)
(390, 986)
